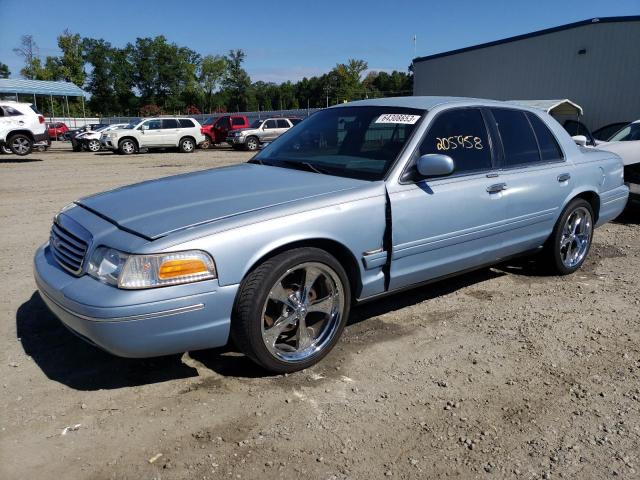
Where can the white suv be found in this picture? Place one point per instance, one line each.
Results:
(148, 133)
(21, 125)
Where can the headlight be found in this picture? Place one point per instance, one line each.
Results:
(149, 271)
(113, 135)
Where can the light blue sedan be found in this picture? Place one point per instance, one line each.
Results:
(358, 201)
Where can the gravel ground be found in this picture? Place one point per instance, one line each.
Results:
(502, 373)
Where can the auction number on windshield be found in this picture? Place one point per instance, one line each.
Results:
(459, 141)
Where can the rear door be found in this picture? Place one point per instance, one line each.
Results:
(448, 224)
(536, 175)
(171, 131)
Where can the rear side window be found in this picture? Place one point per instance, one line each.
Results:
(462, 135)
(549, 148)
(11, 112)
(283, 124)
(186, 123)
(295, 121)
(235, 121)
(169, 123)
(519, 143)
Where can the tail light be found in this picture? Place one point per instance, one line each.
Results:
(40, 118)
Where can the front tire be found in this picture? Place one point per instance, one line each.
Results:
(292, 309)
(571, 238)
(207, 144)
(187, 145)
(20, 144)
(93, 146)
(252, 143)
(127, 146)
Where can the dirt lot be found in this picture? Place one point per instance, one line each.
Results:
(501, 373)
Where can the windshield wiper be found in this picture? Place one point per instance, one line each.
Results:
(307, 165)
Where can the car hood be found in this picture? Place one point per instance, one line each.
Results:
(156, 208)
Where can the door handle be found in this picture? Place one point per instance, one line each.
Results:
(497, 187)
(563, 177)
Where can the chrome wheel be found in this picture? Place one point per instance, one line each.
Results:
(576, 237)
(6, 149)
(252, 144)
(94, 145)
(128, 147)
(20, 145)
(302, 312)
(187, 145)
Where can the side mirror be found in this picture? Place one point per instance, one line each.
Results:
(435, 165)
(580, 140)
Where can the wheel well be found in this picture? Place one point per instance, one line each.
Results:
(594, 199)
(189, 137)
(23, 132)
(338, 250)
(128, 138)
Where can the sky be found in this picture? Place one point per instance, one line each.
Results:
(287, 40)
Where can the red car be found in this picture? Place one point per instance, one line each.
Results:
(57, 130)
(216, 130)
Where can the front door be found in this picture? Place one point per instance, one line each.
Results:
(453, 223)
(151, 133)
(270, 130)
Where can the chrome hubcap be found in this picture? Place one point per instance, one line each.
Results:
(128, 147)
(576, 236)
(187, 145)
(94, 145)
(302, 312)
(252, 144)
(20, 145)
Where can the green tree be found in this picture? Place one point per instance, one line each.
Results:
(4, 71)
(238, 83)
(28, 50)
(210, 75)
(71, 63)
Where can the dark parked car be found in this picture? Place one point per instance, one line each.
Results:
(71, 135)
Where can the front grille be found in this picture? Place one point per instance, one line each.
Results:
(67, 248)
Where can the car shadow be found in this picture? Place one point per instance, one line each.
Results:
(630, 216)
(19, 160)
(67, 359)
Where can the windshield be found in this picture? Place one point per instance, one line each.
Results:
(256, 123)
(356, 142)
(208, 121)
(628, 133)
(132, 125)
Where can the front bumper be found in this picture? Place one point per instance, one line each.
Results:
(136, 323)
(108, 143)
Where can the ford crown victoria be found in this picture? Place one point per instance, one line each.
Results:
(358, 201)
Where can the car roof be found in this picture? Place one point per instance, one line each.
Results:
(423, 102)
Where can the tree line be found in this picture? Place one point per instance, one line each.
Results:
(152, 76)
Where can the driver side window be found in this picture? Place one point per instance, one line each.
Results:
(462, 135)
(270, 124)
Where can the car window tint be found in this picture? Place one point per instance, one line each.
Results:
(11, 112)
(462, 135)
(629, 133)
(283, 124)
(186, 123)
(169, 123)
(519, 144)
(295, 121)
(223, 122)
(270, 124)
(549, 148)
(154, 124)
(237, 121)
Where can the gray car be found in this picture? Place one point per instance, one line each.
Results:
(359, 201)
(260, 132)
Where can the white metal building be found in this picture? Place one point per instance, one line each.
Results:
(595, 63)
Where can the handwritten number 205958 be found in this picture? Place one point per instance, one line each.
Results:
(459, 141)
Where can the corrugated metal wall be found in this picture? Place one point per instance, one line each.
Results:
(605, 80)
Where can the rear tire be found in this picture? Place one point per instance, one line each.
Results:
(304, 294)
(187, 145)
(570, 241)
(20, 144)
(207, 144)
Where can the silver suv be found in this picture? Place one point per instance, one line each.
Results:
(148, 133)
(260, 132)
